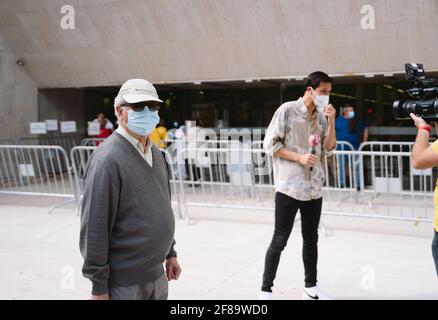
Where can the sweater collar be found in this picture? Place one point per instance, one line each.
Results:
(133, 140)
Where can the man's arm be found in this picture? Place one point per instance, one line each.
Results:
(172, 253)
(99, 208)
(173, 269)
(276, 132)
(365, 135)
(307, 160)
(423, 155)
(274, 140)
(330, 139)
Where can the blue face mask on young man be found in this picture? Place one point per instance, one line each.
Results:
(143, 122)
(351, 114)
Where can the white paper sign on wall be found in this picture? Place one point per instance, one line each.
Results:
(52, 125)
(68, 126)
(38, 128)
(93, 128)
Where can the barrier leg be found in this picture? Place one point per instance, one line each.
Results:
(60, 205)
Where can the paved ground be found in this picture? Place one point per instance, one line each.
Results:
(220, 259)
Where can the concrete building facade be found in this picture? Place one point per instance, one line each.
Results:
(18, 95)
(198, 41)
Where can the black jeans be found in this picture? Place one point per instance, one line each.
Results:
(285, 211)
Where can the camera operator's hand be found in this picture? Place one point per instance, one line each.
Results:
(418, 121)
(307, 160)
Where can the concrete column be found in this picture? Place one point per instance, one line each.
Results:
(18, 96)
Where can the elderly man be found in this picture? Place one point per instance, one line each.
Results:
(127, 222)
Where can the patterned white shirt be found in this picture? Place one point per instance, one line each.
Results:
(290, 129)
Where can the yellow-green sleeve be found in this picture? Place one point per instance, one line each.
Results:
(435, 147)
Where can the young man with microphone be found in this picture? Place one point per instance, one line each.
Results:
(299, 134)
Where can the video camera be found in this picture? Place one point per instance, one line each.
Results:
(424, 93)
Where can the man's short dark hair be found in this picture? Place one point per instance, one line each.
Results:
(315, 78)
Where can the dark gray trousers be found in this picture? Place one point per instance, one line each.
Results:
(157, 290)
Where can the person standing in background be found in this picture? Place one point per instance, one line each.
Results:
(108, 124)
(158, 136)
(104, 131)
(350, 128)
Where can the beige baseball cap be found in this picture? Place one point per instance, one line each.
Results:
(138, 90)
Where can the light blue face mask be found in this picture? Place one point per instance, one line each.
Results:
(143, 122)
(351, 114)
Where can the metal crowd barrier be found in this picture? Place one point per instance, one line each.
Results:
(425, 177)
(36, 170)
(238, 174)
(6, 141)
(389, 146)
(91, 142)
(79, 157)
(67, 141)
(240, 177)
(394, 189)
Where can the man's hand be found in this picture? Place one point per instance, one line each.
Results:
(100, 297)
(307, 160)
(330, 113)
(418, 121)
(173, 270)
